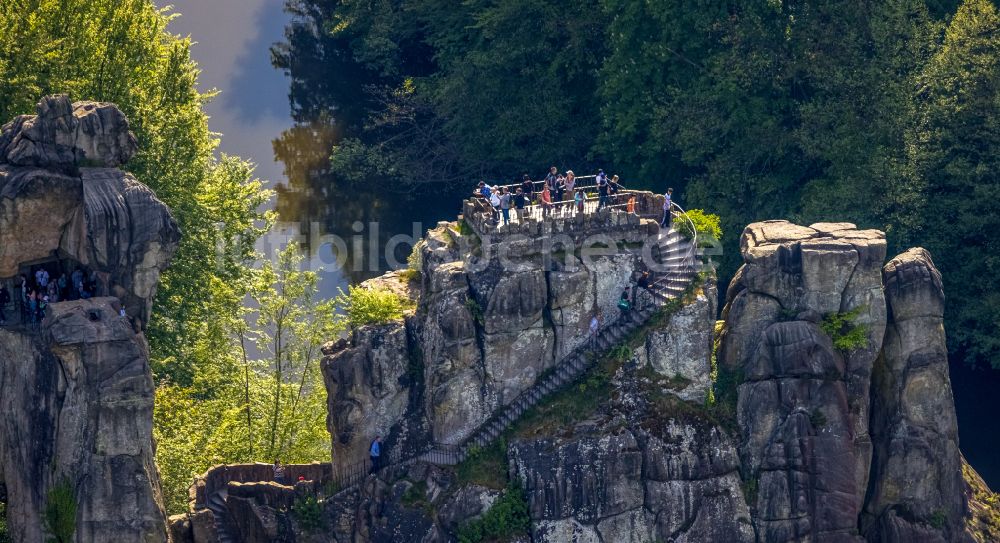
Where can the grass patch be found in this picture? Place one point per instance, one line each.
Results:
(372, 305)
(59, 516)
(415, 497)
(507, 518)
(572, 404)
(414, 262)
(464, 229)
(485, 467)
(847, 335)
(938, 519)
(475, 309)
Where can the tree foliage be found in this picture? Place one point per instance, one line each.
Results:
(880, 113)
(265, 398)
(120, 51)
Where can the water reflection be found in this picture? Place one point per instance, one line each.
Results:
(315, 203)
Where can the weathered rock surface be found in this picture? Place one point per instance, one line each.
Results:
(682, 350)
(803, 405)
(101, 218)
(917, 487)
(483, 332)
(833, 440)
(76, 395)
(683, 485)
(65, 135)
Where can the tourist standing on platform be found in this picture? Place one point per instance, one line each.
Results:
(520, 201)
(550, 179)
(668, 204)
(602, 189)
(482, 190)
(495, 204)
(579, 200)
(546, 201)
(570, 181)
(560, 188)
(614, 187)
(279, 472)
(528, 188)
(505, 205)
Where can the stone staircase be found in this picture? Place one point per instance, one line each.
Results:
(677, 268)
(677, 261)
(217, 505)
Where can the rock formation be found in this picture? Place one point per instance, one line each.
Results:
(917, 487)
(818, 410)
(803, 403)
(76, 391)
(483, 331)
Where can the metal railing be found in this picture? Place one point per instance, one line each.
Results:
(346, 477)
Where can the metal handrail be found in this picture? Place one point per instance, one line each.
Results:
(576, 178)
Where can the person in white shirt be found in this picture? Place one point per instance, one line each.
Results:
(595, 325)
(667, 205)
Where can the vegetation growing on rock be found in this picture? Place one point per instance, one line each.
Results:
(364, 305)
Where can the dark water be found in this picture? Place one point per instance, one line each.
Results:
(233, 41)
(976, 393)
(291, 151)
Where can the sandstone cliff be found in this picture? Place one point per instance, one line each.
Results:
(76, 392)
(818, 409)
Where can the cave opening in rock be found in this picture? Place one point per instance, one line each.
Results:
(52, 280)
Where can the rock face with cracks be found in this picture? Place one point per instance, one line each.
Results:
(842, 425)
(76, 391)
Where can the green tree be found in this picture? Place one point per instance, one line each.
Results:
(264, 398)
(120, 51)
(291, 325)
(954, 160)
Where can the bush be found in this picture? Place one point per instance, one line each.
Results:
(708, 225)
(60, 513)
(309, 513)
(845, 333)
(371, 305)
(414, 262)
(506, 518)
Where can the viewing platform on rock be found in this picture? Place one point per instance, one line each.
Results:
(563, 218)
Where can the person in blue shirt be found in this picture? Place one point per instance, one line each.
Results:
(375, 452)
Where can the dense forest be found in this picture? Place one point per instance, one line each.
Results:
(880, 113)
(883, 113)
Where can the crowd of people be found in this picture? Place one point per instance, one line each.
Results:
(560, 192)
(31, 293)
